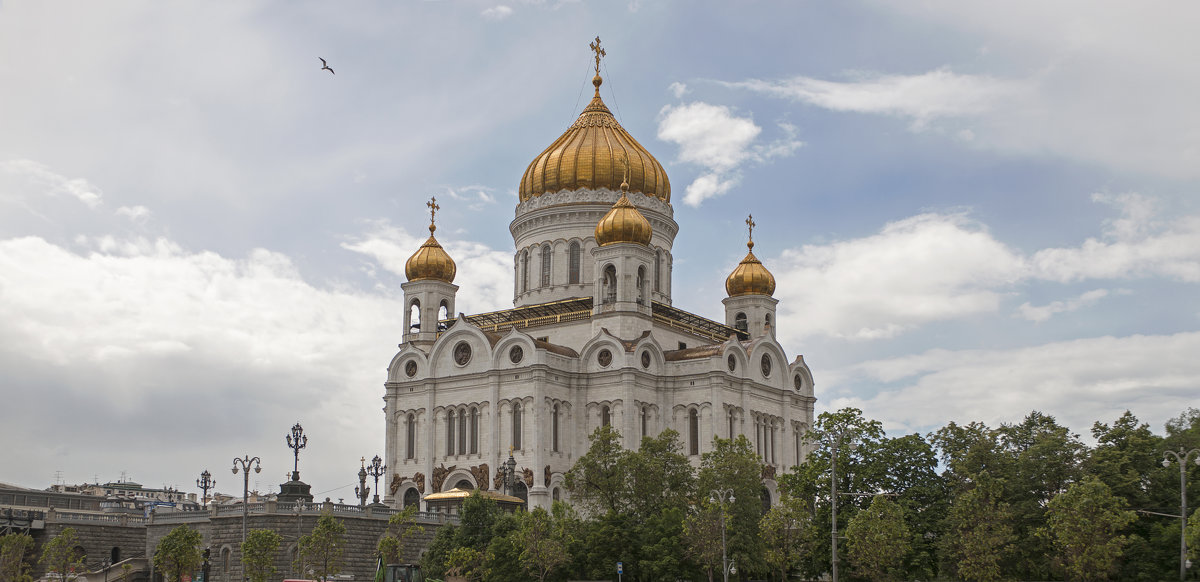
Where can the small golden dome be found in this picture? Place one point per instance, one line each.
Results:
(623, 223)
(431, 261)
(587, 154)
(750, 277)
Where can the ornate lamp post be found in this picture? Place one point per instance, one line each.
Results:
(245, 464)
(1182, 458)
(723, 497)
(837, 442)
(297, 441)
(509, 469)
(205, 482)
(362, 491)
(376, 470)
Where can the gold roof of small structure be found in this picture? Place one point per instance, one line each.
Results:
(457, 493)
(587, 155)
(431, 261)
(750, 277)
(623, 223)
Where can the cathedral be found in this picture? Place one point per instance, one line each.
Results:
(592, 339)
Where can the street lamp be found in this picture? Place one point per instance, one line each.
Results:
(1182, 458)
(297, 441)
(362, 491)
(376, 469)
(205, 482)
(245, 463)
(837, 442)
(723, 497)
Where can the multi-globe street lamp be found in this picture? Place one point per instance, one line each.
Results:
(205, 482)
(837, 443)
(245, 464)
(722, 497)
(296, 441)
(1182, 458)
(376, 469)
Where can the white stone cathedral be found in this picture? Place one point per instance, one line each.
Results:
(592, 339)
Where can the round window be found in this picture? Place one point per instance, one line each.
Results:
(732, 362)
(604, 357)
(462, 353)
(645, 359)
(766, 365)
(410, 368)
(515, 354)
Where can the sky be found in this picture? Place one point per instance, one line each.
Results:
(973, 210)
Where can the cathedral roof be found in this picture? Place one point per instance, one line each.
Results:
(591, 154)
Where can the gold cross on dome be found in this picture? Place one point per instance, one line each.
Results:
(433, 208)
(599, 53)
(750, 223)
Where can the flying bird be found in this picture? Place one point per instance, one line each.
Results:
(325, 67)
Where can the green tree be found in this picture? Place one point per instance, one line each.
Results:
(1085, 523)
(322, 549)
(1193, 536)
(663, 554)
(660, 476)
(543, 549)
(15, 551)
(878, 541)
(434, 562)
(61, 556)
(401, 526)
(702, 537)
(599, 480)
(178, 554)
(258, 554)
(465, 562)
(979, 533)
(787, 535)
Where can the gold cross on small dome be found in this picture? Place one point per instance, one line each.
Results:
(599, 53)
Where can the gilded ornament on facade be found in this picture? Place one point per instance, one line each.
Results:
(480, 473)
(419, 479)
(397, 481)
(439, 476)
(527, 476)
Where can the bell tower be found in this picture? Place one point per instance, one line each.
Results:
(430, 290)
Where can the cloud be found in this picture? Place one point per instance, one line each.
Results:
(1078, 381)
(1042, 313)
(138, 214)
(678, 89)
(35, 177)
(926, 268)
(921, 98)
(477, 197)
(499, 12)
(937, 267)
(714, 138)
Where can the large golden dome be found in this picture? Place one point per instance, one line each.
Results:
(431, 261)
(591, 154)
(623, 223)
(750, 277)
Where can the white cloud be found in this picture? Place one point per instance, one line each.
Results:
(1044, 312)
(921, 269)
(36, 177)
(477, 197)
(137, 214)
(499, 12)
(678, 89)
(1078, 381)
(714, 138)
(921, 98)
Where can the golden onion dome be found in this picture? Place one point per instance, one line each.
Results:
(431, 261)
(589, 154)
(750, 277)
(623, 223)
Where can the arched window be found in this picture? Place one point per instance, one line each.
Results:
(739, 322)
(411, 429)
(641, 286)
(411, 497)
(555, 495)
(575, 260)
(114, 555)
(545, 265)
(462, 431)
(450, 433)
(610, 284)
(226, 558)
(521, 491)
(799, 436)
(414, 315)
(516, 425)
(767, 320)
(443, 314)
(658, 271)
(773, 429)
(464, 485)
(693, 432)
(554, 429)
(474, 430)
(731, 422)
(605, 416)
(645, 415)
(765, 494)
(524, 271)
